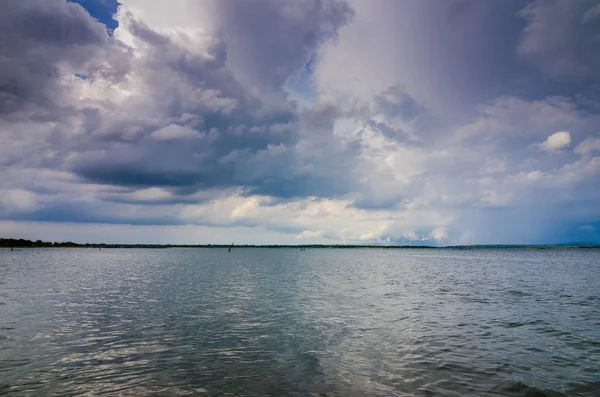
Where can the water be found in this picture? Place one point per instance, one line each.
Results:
(280, 322)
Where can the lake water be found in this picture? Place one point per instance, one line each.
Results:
(279, 322)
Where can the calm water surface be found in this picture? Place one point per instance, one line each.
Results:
(279, 322)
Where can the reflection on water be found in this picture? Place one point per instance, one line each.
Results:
(290, 322)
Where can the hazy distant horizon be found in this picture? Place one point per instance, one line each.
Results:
(573, 244)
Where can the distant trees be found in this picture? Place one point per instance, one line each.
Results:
(12, 242)
(22, 243)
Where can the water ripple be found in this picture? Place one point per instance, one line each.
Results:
(283, 322)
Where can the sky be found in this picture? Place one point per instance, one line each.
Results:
(300, 122)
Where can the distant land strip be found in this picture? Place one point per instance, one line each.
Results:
(22, 243)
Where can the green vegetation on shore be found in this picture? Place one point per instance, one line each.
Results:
(22, 243)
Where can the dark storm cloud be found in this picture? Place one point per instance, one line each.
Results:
(368, 202)
(117, 213)
(88, 214)
(244, 138)
(36, 37)
(395, 102)
(271, 40)
(561, 37)
(394, 106)
(412, 120)
(275, 169)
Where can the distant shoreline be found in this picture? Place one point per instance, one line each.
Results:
(22, 243)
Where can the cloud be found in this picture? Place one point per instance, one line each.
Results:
(268, 41)
(141, 234)
(17, 199)
(173, 132)
(330, 219)
(419, 123)
(561, 37)
(178, 85)
(519, 118)
(557, 141)
(443, 59)
(439, 234)
(590, 145)
(591, 14)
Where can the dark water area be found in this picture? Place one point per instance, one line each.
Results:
(285, 322)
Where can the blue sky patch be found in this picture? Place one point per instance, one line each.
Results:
(102, 10)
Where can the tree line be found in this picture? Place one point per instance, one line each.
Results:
(22, 243)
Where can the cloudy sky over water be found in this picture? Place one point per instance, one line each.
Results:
(314, 121)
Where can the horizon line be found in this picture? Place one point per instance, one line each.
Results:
(26, 243)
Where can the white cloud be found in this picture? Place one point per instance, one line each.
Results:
(439, 234)
(514, 118)
(590, 145)
(17, 199)
(557, 141)
(174, 132)
(323, 219)
(309, 234)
